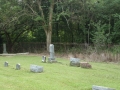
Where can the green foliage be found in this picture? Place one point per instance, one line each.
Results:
(116, 32)
(99, 37)
(38, 18)
(71, 22)
(115, 49)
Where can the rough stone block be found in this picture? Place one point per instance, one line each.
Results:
(85, 65)
(36, 68)
(75, 62)
(94, 87)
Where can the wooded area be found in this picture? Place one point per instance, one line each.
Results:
(95, 22)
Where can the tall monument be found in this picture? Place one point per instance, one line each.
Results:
(52, 54)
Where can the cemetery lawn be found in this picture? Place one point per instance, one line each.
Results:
(56, 76)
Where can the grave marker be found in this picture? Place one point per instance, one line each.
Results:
(18, 67)
(52, 54)
(6, 64)
(75, 62)
(4, 49)
(36, 68)
(85, 65)
(44, 59)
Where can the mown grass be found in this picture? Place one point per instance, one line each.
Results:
(56, 76)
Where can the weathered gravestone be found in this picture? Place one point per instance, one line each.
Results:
(94, 87)
(4, 49)
(36, 68)
(52, 54)
(75, 62)
(85, 65)
(6, 64)
(18, 67)
(44, 59)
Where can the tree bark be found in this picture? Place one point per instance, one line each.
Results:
(48, 39)
(47, 26)
(49, 30)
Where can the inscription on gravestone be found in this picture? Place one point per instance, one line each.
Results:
(6, 64)
(52, 54)
(4, 49)
(18, 67)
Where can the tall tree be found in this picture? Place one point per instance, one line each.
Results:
(12, 23)
(42, 12)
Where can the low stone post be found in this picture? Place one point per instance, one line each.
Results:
(44, 59)
(18, 67)
(6, 64)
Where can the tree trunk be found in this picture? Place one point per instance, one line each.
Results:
(48, 39)
(49, 30)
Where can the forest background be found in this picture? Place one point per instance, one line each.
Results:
(77, 26)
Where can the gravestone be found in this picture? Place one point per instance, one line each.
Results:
(36, 68)
(44, 59)
(18, 67)
(85, 65)
(4, 49)
(75, 62)
(6, 64)
(52, 54)
(94, 87)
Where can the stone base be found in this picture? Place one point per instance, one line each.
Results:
(94, 87)
(5, 52)
(51, 60)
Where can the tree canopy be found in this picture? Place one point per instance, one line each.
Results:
(72, 21)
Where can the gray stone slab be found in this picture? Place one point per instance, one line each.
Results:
(6, 64)
(36, 68)
(94, 87)
(75, 62)
(18, 66)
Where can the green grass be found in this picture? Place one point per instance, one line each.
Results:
(56, 76)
